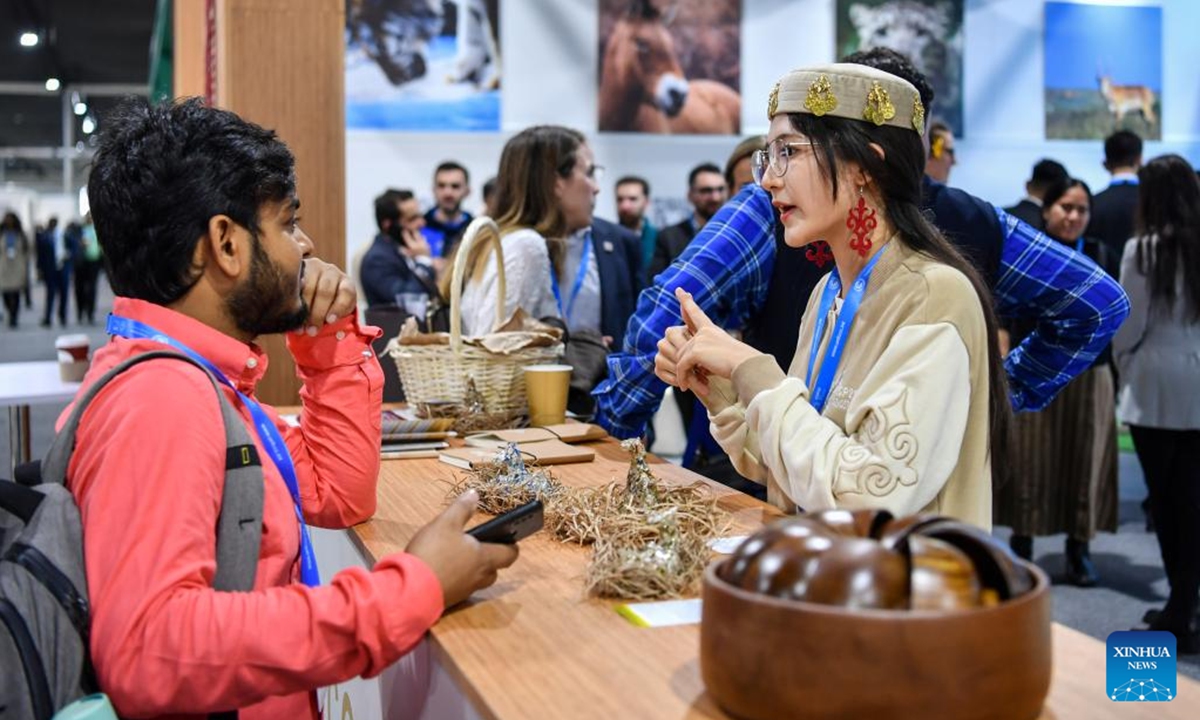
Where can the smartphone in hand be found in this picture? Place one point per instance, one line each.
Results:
(512, 526)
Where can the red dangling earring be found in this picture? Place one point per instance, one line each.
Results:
(861, 222)
(819, 253)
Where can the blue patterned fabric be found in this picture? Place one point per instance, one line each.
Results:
(727, 267)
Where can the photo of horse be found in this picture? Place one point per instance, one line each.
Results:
(1103, 71)
(423, 65)
(928, 32)
(670, 66)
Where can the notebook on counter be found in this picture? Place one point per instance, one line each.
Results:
(542, 452)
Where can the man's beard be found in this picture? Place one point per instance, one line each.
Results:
(262, 305)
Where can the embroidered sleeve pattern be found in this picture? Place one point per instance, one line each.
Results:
(904, 428)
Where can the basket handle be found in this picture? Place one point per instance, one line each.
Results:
(481, 229)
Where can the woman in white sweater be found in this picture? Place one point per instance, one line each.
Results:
(1158, 355)
(895, 398)
(545, 191)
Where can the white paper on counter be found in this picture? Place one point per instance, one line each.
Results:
(664, 613)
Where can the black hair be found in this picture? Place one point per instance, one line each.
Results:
(161, 173)
(632, 179)
(489, 187)
(1058, 188)
(1169, 209)
(1046, 172)
(897, 178)
(1122, 149)
(451, 165)
(387, 205)
(898, 64)
(11, 222)
(702, 168)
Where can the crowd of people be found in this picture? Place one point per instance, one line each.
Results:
(844, 328)
(1032, 405)
(60, 258)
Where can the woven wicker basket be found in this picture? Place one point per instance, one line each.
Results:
(438, 373)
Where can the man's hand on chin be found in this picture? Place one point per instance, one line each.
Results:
(329, 293)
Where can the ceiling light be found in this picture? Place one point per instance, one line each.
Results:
(89, 125)
(29, 39)
(80, 108)
(52, 84)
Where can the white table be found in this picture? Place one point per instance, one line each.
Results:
(29, 383)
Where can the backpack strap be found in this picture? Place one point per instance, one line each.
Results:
(239, 527)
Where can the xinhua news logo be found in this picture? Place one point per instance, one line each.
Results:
(1141, 666)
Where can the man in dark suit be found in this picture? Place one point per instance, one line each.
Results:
(1114, 207)
(1045, 173)
(54, 265)
(619, 260)
(707, 192)
(397, 266)
(597, 299)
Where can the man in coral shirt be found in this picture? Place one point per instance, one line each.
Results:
(196, 210)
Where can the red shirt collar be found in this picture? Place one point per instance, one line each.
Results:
(243, 363)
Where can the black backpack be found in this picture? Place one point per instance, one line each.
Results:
(44, 614)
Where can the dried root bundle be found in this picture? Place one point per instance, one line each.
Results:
(647, 561)
(507, 483)
(471, 415)
(651, 539)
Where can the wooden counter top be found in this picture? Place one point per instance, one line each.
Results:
(532, 646)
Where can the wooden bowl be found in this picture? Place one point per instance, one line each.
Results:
(764, 658)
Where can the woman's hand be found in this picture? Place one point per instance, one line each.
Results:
(688, 355)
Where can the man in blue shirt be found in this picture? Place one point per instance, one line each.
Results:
(446, 221)
(730, 269)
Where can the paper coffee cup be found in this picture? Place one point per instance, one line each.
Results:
(72, 356)
(92, 707)
(546, 388)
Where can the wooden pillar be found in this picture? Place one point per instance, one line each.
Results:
(188, 47)
(279, 63)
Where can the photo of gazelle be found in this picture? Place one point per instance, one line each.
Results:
(1103, 71)
(670, 66)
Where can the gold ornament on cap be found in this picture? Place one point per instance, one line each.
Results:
(918, 118)
(879, 106)
(820, 99)
(773, 101)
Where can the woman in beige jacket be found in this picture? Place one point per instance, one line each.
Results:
(14, 265)
(895, 398)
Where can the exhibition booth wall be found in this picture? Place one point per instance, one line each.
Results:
(550, 53)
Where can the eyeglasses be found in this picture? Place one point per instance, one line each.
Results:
(775, 157)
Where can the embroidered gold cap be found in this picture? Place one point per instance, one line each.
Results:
(849, 90)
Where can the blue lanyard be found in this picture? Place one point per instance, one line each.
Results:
(268, 434)
(1124, 181)
(579, 277)
(1079, 244)
(841, 330)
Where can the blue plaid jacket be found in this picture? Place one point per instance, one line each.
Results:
(727, 268)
